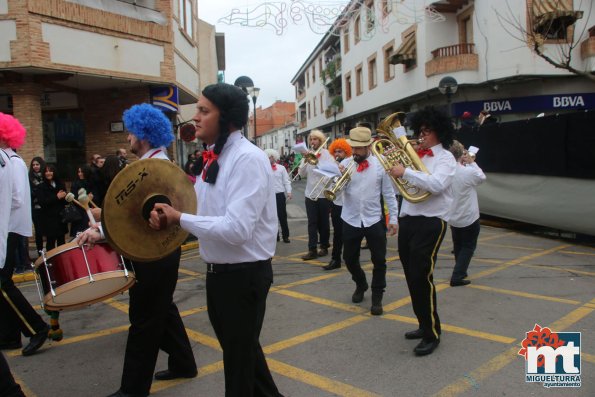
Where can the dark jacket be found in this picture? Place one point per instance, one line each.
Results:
(51, 219)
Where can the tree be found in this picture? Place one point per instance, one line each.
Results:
(550, 31)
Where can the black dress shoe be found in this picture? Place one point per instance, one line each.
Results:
(120, 393)
(323, 252)
(459, 283)
(417, 334)
(358, 295)
(333, 264)
(310, 255)
(168, 375)
(36, 341)
(286, 240)
(11, 345)
(426, 347)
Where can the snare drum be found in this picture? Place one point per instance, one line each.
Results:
(69, 276)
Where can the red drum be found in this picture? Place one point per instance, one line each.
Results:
(71, 276)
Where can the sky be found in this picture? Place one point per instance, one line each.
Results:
(270, 60)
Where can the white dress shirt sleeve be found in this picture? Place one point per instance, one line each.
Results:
(248, 192)
(474, 175)
(286, 181)
(436, 182)
(390, 198)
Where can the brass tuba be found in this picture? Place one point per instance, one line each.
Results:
(391, 150)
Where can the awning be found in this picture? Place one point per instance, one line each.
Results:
(405, 52)
(545, 12)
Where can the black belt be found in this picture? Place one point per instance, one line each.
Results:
(234, 267)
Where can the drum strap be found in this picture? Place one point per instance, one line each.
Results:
(18, 313)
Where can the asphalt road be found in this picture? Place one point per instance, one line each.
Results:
(320, 344)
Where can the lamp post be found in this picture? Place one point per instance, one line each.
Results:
(245, 83)
(253, 92)
(448, 86)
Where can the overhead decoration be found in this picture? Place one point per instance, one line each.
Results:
(331, 16)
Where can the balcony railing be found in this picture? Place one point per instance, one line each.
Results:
(452, 50)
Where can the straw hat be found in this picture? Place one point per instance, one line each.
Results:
(359, 137)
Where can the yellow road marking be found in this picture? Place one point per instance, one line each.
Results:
(24, 388)
(454, 329)
(320, 382)
(578, 253)
(517, 261)
(296, 340)
(203, 339)
(561, 269)
(190, 312)
(524, 294)
(518, 247)
(322, 301)
(305, 281)
(123, 307)
(496, 236)
(189, 272)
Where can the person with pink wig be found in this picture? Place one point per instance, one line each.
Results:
(15, 311)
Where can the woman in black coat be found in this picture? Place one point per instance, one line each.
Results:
(36, 169)
(50, 195)
(83, 180)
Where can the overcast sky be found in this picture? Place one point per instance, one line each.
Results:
(270, 60)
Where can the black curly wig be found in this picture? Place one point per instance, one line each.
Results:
(233, 107)
(435, 120)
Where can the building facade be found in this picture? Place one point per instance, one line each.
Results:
(69, 68)
(383, 56)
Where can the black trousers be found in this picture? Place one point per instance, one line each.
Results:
(282, 214)
(36, 216)
(318, 223)
(236, 303)
(337, 231)
(376, 237)
(155, 323)
(419, 240)
(464, 241)
(16, 313)
(8, 387)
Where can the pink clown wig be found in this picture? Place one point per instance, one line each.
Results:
(12, 131)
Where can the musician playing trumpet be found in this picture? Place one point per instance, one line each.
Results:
(317, 209)
(422, 225)
(363, 216)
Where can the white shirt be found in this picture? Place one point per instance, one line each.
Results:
(464, 209)
(5, 202)
(281, 182)
(361, 199)
(307, 169)
(237, 216)
(21, 221)
(441, 166)
(345, 163)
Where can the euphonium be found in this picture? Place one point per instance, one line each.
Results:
(391, 150)
(338, 183)
(312, 157)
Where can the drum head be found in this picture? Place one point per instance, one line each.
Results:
(129, 200)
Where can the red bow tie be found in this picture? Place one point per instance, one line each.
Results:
(422, 152)
(362, 166)
(317, 155)
(274, 167)
(209, 155)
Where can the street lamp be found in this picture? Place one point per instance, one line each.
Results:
(448, 86)
(245, 83)
(253, 92)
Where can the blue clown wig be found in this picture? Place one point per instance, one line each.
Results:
(148, 123)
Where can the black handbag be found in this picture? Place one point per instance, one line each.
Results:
(71, 214)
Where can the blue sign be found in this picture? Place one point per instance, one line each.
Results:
(165, 98)
(537, 103)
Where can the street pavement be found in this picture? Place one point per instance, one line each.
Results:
(320, 344)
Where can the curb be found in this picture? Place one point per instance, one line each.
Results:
(30, 276)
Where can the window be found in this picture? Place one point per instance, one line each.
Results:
(321, 97)
(185, 7)
(320, 65)
(307, 79)
(314, 73)
(309, 114)
(465, 24)
(552, 21)
(372, 73)
(314, 105)
(387, 7)
(389, 68)
(348, 86)
(359, 80)
(356, 27)
(346, 39)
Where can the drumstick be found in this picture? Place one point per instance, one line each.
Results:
(84, 200)
(83, 192)
(70, 199)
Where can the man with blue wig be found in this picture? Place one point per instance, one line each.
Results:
(155, 322)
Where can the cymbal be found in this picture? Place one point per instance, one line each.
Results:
(128, 203)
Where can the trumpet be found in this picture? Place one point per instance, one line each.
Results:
(338, 183)
(312, 157)
(391, 150)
